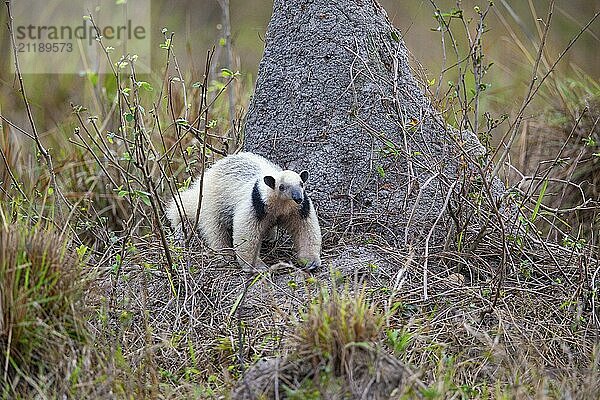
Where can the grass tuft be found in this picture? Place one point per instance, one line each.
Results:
(40, 285)
(335, 323)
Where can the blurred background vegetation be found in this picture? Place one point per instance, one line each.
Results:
(514, 31)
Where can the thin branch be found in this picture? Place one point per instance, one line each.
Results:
(35, 134)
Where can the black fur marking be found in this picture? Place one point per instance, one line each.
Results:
(230, 235)
(305, 207)
(304, 176)
(260, 208)
(270, 181)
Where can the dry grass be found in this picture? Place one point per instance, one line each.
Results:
(41, 286)
(539, 337)
(333, 324)
(558, 162)
(486, 311)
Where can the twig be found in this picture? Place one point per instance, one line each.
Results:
(426, 255)
(229, 62)
(35, 134)
(209, 56)
(12, 176)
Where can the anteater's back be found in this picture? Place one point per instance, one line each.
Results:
(226, 183)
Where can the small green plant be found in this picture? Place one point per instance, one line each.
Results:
(335, 322)
(306, 391)
(398, 340)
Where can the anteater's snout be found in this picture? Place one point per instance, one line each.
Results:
(297, 196)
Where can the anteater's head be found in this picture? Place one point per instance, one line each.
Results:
(287, 185)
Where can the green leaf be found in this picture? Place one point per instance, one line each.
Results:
(166, 45)
(226, 73)
(292, 284)
(185, 184)
(81, 250)
(128, 117)
(589, 141)
(240, 297)
(144, 196)
(539, 200)
(146, 86)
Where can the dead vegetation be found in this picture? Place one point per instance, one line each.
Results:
(500, 307)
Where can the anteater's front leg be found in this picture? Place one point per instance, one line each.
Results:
(306, 233)
(247, 238)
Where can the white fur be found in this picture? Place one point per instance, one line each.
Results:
(228, 216)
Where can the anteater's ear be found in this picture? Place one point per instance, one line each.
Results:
(270, 181)
(304, 175)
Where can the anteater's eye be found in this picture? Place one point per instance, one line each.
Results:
(282, 187)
